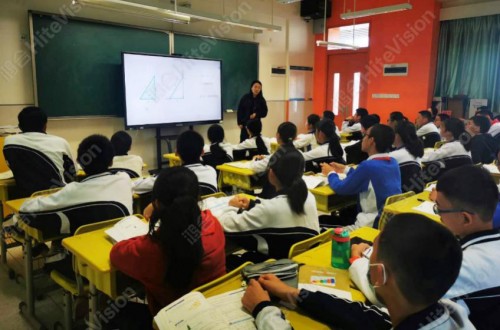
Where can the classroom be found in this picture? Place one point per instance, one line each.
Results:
(413, 89)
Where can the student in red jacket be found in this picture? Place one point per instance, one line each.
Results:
(184, 248)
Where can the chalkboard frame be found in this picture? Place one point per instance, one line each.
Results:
(170, 45)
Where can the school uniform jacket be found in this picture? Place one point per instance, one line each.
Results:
(483, 149)
(207, 178)
(345, 314)
(228, 148)
(426, 129)
(250, 143)
(402, 155)
(356, 127)
(373, 181)
(133, 163)
(321, 151)
(271, 227)
(110, 192)
(143, 259)
(494, 129)
(477, 287)
(54, 147)
(306, 140)
(448, 150)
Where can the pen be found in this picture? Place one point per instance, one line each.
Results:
(421, 200)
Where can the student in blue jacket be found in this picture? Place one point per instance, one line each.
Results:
(373, 180)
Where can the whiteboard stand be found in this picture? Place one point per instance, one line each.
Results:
(159, 139)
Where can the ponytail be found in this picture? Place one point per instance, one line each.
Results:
(176, 224)
(334, 147)
(297, 195)
(180, 234)
(288, 169)
(217, 151)
(408, 134)
(287, 132)
(255, 127)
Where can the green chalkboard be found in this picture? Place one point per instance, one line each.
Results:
(78, 69)
(239, 62)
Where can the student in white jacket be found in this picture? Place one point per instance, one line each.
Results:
(453, 132)
(410, 278)
(122, 142)
(466, 198)
(308, 140)
(272, 226)
(256, 140)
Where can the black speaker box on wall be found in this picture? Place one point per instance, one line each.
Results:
(314, 9)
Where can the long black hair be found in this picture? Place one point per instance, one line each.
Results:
(287, 132)
(177, 216)
(260, 95)
(328, 128)
(215, 135)
(408, 135)
(288, 169)
(255, 128)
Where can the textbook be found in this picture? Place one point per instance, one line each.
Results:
(127, 228)
(195, 312)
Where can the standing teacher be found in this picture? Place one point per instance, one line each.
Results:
(252, 106)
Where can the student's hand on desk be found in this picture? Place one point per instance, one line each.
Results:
(258, 157)
(358, 249)
(277, 288)
(239, 202)
(326, 168)
(254, 295)
(148, 211)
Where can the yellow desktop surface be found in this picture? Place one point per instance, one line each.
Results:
(91, 252)
(407, 205)
(173, 159)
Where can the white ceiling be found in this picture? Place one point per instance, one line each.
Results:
(457, 3)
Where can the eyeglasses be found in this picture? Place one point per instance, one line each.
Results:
(442, 211)
(384, 275)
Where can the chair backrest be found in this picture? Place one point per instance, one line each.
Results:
(67, 220)
(430, 139)
(411, 177)
(206, 189)
(385, 217)
(313, 165)
(33, 170)
(433, 170)
(235, 273)
(131, 174)
(277, 241)
(309, 243)
(245, 154)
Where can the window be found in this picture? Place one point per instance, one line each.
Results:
(357, 35)
(336, 93)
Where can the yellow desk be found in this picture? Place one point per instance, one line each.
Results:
(319, 256)
(173, 159)
(243, 178)
(344, 137)
(327, 201)
(407, 205)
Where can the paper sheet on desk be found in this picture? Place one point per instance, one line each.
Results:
(432, 186)
(426, 207)
(313, 181)
(216, 205)
(229, 304)
(6, 175)
(314, 288)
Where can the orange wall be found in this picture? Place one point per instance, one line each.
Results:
(404, 37)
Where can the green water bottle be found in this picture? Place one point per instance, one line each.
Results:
(341, 248)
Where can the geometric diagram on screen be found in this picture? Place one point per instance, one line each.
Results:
(172, 85)
(149, 93)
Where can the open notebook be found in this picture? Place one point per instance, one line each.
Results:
(195, 312)
(127, 228)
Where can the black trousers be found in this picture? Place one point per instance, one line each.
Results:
(243, 134)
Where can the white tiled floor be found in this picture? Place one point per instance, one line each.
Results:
(48, 309)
